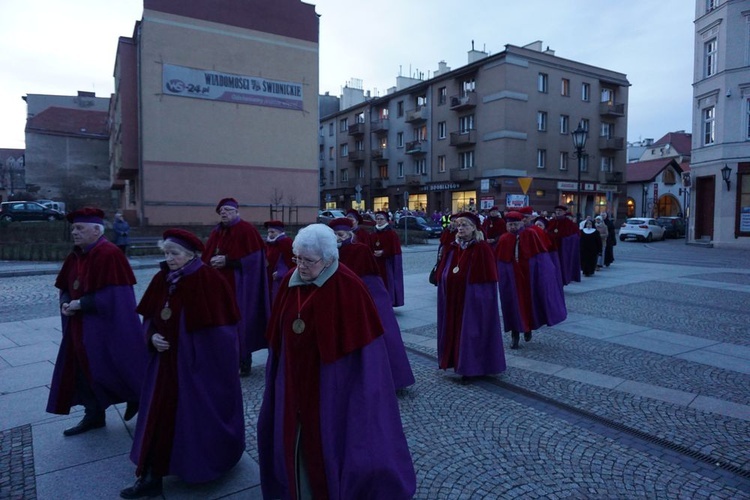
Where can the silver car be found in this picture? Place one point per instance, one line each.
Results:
(642, 229)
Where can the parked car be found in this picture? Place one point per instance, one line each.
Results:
(641, 228)
(27, 210)
(54, 205)
(413, 223)
(674, 227)
(326, 216)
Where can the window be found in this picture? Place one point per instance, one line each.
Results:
(541, 158)
(360, 118)
(747, 119)
(608, 163)
(541, 121)
(466, 160)
(331, 153)
(383, 171)
(441, 163)
(420, 167)
(344, 150)
(607, 130)
(442, 95)
(321, 131)
(382, 142)
(400, 109)
(584, 163)
(330, 128)
(400, 140)
(400, 170)
(585, 92)
(584, 124)
(564, 160)
(383, 114)
(344, 125)
(331, 176)
(465, 124)
(360, 172)
(711, 57)
(709, 126)
(564, 124)
(467, 86)
(608, 96)
(345, 175)
(420, 133)
(541, 83)
(359, 145)
(441, 130)
(421, 101)
(565, 87)
(711, 5)
(322, 152)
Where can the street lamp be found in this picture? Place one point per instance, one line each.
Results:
(579, 142)
(725, 173)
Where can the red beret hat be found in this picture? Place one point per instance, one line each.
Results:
(230, 202)
(495, 209)
(514, 217)
(185, 239)
(341, 224)
(384, 214)
(86, 214)
(355, 214)
(561, 207)
(471, 216)
(275, 224)
(526, 210)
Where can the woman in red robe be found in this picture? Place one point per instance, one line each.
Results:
(278, 255)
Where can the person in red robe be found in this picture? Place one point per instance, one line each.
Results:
(278, 255)
(494, 226)
(101, 360)
(329, 425)
(361, 235)
(386, 247)
(237, 250)
(565, 237)
(530, 287)
(192, 419)
(469, 331)
(359, 259)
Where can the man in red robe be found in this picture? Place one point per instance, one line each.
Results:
(386, 247)
(102, 359)
(278, 255)
(494, 227)
(565, 237)
(361, 235)
(237, 250)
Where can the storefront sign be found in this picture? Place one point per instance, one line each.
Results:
(238, 89)
(566, 186)
(745, 220)
(446, 186)
(484, 185)
(486, 203)
(516, 201)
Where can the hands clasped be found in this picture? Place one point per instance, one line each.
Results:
(159, 342)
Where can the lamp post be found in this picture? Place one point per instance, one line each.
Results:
(579, 142)
(725, 173)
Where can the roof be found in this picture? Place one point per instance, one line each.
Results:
(6, 153)
(679, 141)
(66, 121)
(646, 171)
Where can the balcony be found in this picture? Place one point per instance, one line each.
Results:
(464, 138)
(380, 126)
(380, 183)
(459, 103)
(462, 174)
(611, 109)
(613, 177)
(416, 115)
(413, 180)
(616, 143)
(356, 156)
(357, 129)
(379, 154)
(345, 183)
(416, 147)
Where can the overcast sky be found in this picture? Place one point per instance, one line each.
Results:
(60, 47)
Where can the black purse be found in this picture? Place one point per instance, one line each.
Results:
(433, 275)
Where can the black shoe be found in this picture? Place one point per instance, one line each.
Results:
(245, 367)
(516, 337)
(130, 410)
(85, 425)
(527, 336)
(143, 487)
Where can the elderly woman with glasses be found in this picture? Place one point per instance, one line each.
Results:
(191, 420)
(329, 425)
(469, 330)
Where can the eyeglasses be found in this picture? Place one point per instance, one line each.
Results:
(302, 262)
(464, 224)
(226, 210)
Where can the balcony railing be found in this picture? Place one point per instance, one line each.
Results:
(616, 143)
(611, 109)
(613, 177)
(380, 125)
(417, 115)
(357, 129)
(413, 180)
(344, 183)
(416, 147)
(380, 183)
(462, 174)
(467, 101)
(379, 154)
(464, 138)
(356, 155)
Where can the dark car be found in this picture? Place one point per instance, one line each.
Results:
(674, 227)
(12, 211)
(413, 223)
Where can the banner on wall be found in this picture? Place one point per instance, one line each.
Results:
(516, 201)
(239, 89)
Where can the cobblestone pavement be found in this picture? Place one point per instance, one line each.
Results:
(535, 434)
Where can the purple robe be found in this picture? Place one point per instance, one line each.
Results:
(570, 258)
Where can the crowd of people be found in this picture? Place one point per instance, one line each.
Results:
(322, 303)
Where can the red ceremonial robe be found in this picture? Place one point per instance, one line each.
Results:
(105, 344)
(246, 274)
(279, 260)
(330, 385)
(390, 262)
(564, 234)
(191, 421)
(493, 228)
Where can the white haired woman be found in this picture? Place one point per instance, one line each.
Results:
(327, 374)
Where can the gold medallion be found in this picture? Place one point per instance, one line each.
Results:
(377, 243)
(298, 326)
(76, 284)
(166, 313)
(455, 270)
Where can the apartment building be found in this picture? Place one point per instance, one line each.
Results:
(496, 131)
(216, 99)
(720, 165)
